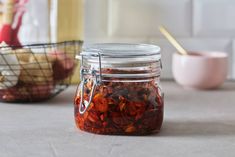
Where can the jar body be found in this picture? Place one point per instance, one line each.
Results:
(119, 92)
(120, 107)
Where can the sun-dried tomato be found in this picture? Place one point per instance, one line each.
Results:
(131, 108)
(101, 104)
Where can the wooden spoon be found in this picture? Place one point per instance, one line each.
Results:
(173, 41)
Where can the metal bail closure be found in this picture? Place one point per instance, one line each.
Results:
(96, 80)
(84, 105)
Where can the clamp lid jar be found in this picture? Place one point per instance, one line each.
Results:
(120, 89)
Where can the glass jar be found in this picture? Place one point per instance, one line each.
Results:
(119, 91)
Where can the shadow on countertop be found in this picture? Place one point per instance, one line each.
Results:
(230, 86)
(198, 128)
(64, 98)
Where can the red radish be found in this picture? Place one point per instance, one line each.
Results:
(63, 65)
(41, 91)
(27, 92)
(5, 33)
(6, 29)
(14, 14)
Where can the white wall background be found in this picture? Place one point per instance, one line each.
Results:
(197, 24)
(35, 27)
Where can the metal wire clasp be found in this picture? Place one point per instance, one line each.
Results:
(96, 79)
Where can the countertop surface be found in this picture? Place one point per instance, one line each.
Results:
(196, 123)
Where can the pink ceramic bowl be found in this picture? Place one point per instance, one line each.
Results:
(200, 70)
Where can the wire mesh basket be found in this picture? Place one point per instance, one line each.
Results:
(37, 72)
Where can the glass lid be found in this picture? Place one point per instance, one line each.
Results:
(121, 53)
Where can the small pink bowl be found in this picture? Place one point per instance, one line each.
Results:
(200, 70)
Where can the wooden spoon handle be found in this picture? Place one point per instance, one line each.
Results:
(173, 41)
